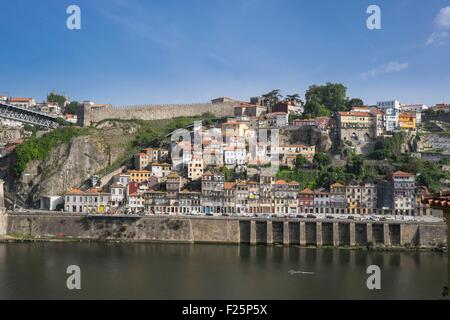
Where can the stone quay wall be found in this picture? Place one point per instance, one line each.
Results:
(88, 115)
(223, 230)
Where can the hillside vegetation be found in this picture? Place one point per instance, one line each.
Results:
(64, 149)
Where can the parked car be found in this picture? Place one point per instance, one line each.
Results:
(329, 216)
(311, 216)
(374, 218)
(390, 218)
(351, 217)
(342, 217)
(300, 216)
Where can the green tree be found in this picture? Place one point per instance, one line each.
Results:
(322, 159)
(326, 99)
(389, 148)
(355, 102)
(294, 99)
(53, 97)
(300, 162)
(331, 175)
(271, 98)
(72, 108)
(228, 174)
(355, 166)
(38, 148)
(306, 177)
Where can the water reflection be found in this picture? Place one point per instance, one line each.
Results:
(178, 271)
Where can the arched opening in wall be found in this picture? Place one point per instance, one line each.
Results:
(354, 136)
(366, 137)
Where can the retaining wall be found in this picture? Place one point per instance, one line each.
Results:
(225, 230)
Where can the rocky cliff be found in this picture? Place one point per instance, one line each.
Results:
(71, 164)
(307, 135)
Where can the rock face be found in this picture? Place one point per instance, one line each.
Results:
(67, 166)
(8, 134)
(308, 135)
(70, 165)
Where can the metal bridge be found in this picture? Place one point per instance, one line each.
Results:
(27, 116)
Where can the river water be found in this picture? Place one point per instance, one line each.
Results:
(201, 271)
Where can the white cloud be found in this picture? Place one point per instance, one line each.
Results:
(438, 37)
(442, 22)
(443, 18)
(390, 67)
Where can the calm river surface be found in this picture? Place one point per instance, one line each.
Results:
(182, 271)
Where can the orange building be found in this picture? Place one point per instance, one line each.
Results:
(407, 120)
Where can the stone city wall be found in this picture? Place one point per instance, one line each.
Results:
(88, 115)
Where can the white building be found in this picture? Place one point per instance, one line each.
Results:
(391, 110)
(277, 119)
(389, 104)
(404, 192)
(136, 202)
(51, 202)
(235, 156)
(91, 201)
(123, 179)
(118, 193)
(160, 170)
(22, 102)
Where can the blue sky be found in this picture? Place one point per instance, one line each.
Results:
(164, 51)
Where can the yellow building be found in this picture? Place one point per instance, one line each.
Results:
(407, 120)
(139, 175)
(355, 119)
(234, 128)
(195, 167)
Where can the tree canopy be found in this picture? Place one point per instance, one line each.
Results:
(53, 97)
(71, 108)
(323, 100)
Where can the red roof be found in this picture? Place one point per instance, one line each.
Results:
(402, 174)
(376, 111)
(247, 105)
(20, 99)
(228, 185)
(360, 107)
(355, 113)
(75, 191)
(441, 200)
(406, 114)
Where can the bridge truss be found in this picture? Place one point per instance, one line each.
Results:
(27, 116)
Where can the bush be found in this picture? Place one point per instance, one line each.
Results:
(39, 148)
